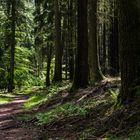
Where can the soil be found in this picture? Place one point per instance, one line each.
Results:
(10, 128)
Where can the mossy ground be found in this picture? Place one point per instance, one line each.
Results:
(5, 98)
(87, 114)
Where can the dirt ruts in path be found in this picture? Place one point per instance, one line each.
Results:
(10, 128)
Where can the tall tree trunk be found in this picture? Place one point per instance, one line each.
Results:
(129, 29)
(95, 74)
(38, 37)
(104, 47)
(113, 48)
(65, 44)
(12, 49)
(58, 47)
(81, 67)
(71, 40)
(49, 57)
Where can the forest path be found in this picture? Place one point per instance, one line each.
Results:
(10, 128)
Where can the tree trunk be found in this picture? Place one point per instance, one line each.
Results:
(129, 29)
(95, 74)
(58, 47)
(49, 57)
(113, 48)
(38, 37)
(71, 41)
(12, 49)
(81, 66)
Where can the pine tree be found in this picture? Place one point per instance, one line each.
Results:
(95, 73)
(81, 65)
(12, 46)
(58, 45)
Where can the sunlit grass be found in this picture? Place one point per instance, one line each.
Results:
(4, 100)
(60, 111)
(27, 90)
(66, 110)
(35, 100)
(69, 109)
(43, 96)
(9, 95)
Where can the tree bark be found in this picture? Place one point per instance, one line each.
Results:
(129, 30)
(12, 49)
(95, 73)
(113, 48)
(81, 66)
(58, 47)
(49, 58)
(71, 40)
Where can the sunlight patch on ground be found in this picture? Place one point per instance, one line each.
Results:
(35, 100)
(10, 95)
(27, 90)
(4, 122)
(4, 100)
(111, 79)
(41, 96)
(19, 101)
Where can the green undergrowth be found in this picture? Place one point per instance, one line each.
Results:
(61, 110)
(8, 95)
(4, 99)
(42, 96)
(100, 108)
(27, 90)
(67, 110)
(134, 135)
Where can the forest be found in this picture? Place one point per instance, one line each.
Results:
(69, 69)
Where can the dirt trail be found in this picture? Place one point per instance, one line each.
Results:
(10, 128)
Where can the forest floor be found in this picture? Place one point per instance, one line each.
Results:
(56, 114)
(10, 128)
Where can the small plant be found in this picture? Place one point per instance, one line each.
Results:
(114, 95)
(41, 97)
(67, 110)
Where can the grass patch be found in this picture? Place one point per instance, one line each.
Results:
(43, 96)
(8, 95)
(66, 110)
(4, 100)
(27, 90)
(97, 112)
(35, 100)
(69, 109)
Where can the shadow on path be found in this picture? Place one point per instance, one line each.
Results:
(11, 129)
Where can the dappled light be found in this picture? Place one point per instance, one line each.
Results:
(69, 70)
